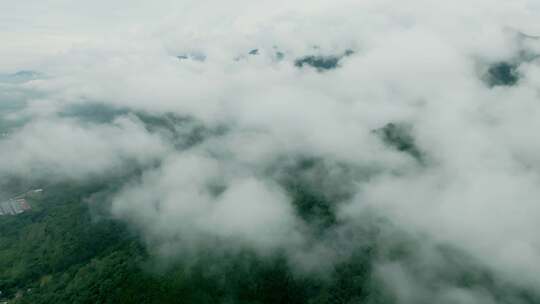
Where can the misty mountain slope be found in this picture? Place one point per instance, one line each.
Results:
(502, 74)
(85, 256)
(62, 256)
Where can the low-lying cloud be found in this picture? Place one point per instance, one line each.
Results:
(301, 129)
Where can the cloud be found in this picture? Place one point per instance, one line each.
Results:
(64, 148)
(244, 150)
(191, 198)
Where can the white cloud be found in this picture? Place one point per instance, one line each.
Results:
(419, 63)
(64, 148)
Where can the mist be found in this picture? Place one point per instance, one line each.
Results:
(314, 130)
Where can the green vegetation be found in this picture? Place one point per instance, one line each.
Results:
(322, 63)
(68, 250)
(399, 136)
(502, 74)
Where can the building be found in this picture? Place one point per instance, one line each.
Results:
(14, 206)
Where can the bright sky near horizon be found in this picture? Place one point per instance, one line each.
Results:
(33, 29)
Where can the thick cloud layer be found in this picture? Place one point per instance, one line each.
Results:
(291, 126)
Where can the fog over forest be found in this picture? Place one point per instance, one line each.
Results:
(344, 151)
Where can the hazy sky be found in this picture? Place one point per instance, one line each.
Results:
(32, 29)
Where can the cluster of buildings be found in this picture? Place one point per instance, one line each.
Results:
(14, 206)
(18, 204)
